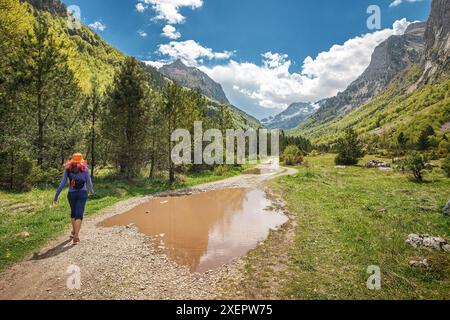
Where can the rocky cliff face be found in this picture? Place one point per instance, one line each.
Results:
(389, 59)
(291, 117)
(437, 41)
(193, 78)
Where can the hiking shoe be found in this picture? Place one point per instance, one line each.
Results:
(76, 241)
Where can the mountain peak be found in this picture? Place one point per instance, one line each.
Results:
(178, 64)
(193, 78)
(290, 118)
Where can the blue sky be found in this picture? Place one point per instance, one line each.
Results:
(255, 48)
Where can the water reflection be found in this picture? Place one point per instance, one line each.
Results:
(206, 230)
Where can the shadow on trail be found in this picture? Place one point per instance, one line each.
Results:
(53, 252)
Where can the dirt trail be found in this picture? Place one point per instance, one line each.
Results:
(121, 263)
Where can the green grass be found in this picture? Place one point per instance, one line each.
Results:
(32, 211)
(341, 232)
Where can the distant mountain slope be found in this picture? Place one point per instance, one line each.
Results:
(405, 88)
(291, 117)
(388, 59)
(92, 60)
(193, 78)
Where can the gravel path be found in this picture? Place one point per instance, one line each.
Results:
(119, 262)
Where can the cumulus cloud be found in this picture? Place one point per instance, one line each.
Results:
(272, 85)
(191, 52)
(142, 33)
(171, 32)
(169, 10)
(396, 3)
(97, 26)
(156, 64)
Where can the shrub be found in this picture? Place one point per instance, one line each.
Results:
(415, 163)
(222, 170)
(314, 153)
(433, 155)
(292, 156)
(46, 177)
(444, 148)
(15, 171)
(446, 166)
(349, 148)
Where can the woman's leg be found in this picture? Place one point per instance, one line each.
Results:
(73, 225)
(79, 212)
(72, 203)
(77, 227)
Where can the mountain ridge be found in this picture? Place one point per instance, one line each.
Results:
(386, 63)
(291, 117)
(410, 94)
(194, 78)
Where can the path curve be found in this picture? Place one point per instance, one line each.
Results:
(119, 262)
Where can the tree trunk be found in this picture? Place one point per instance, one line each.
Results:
(171, 165)
(93, 144)
(11, 181)
(152, 166)
(40, 138)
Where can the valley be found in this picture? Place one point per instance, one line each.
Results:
(356, 182)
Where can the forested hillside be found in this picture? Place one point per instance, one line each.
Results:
(394, 119)
(65, 89)
(402, 101)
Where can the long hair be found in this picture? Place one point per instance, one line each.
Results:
(76, 167)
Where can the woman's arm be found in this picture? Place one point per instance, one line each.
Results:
(89, 181)
(61, 186)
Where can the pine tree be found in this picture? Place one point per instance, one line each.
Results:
(402, 141)
(423, 142)
(95, 109)
(181, 108)
(155, 131)
(350, 149)
(223, 119)
(125, 117)
(49, 91)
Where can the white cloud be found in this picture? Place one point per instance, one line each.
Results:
(272, 85)
(396, 3)
(190, 52)
(142, 33)
(169, 10)
(97, 26)
(140, 7)
(156, 64)
(171, 32)
(399, 27)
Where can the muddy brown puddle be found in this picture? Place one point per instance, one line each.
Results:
(207, 230)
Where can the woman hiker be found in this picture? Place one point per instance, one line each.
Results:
(76, 170)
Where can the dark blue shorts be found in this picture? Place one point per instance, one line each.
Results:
(77, 200)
